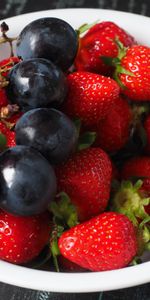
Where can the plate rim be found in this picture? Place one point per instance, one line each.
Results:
(78, 9)
(75, 281)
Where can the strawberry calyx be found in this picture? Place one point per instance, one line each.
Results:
(116, 63)
(3, 142)
(7, 135)
(140, 110)
(5, 67)
(136, 261)
(7, 64)
(3, 81)
(85, 27)
(122, 50)
(3, 70)
(139, 113)
(145, 228)
(120, 70)
(77, 123)
(64, 217)
(8, 110)
(57, 231)
(64, 212)
(86, 139)
(131, 201)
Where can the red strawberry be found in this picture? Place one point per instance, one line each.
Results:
(3, 138)
(11, 139)
(99, 41)
(3, 97)
(10, 60)
(90, 97)
(14, 118)
(113, 132)
(7, 64)
(22, 238)
(138, 167)
(136, 61)
(86, 178)
(68, 266)
(3, 128)
(106, 242)
(10, 135)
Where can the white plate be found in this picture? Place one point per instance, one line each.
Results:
(79, 282)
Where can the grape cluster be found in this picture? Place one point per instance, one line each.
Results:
(44, 135)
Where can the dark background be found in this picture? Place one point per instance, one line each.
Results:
(13, 7)
(10, 8)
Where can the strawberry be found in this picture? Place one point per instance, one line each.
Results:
(106, 242)
(97, 42)
(9, 135)
(5, 67)
(3, 128)
(139, 168)
(113, 131)
(11, 139)
(86, 178)
(14, 118)
(3, 138)
(6, 125)
(133, 72)
(3, 97)
(22, 238)
(90, 97)
(133, 198)
(7, 63)
(68, 266)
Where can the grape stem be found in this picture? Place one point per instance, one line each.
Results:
(5, 39)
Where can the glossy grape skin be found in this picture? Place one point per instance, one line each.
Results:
(49, 38)
(49, 131)
(36, 83)
(27, 180)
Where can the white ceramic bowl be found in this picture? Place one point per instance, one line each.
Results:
(79, 282)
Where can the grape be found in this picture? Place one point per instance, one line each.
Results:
(49, 131)
(49, 38)
(36, 83)
(28, 182)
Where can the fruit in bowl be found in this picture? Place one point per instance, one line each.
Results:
(74, 130)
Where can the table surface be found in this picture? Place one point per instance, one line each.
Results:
(10, 8)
